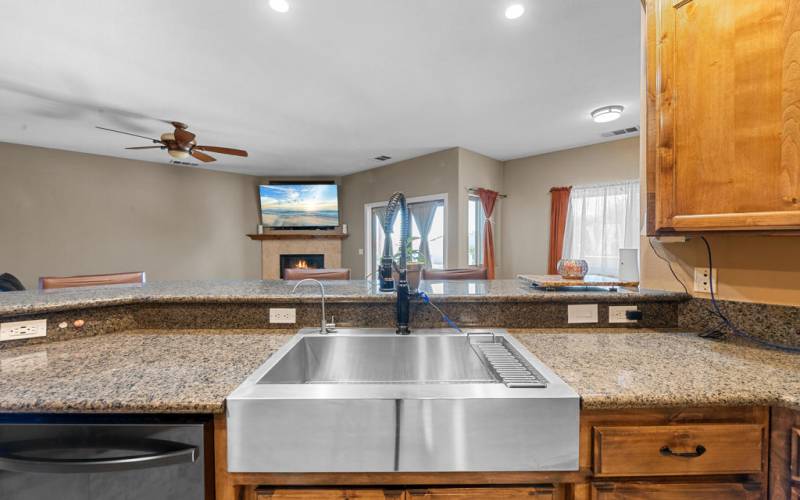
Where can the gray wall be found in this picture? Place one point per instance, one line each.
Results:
(67, 213)
(527, 181)
(430, 174)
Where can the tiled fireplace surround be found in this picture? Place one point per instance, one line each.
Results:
(271, 251)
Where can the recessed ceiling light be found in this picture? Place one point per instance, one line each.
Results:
(514, 11)
(607, 114)
(279, 5)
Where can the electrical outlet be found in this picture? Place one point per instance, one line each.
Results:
(582, 313)
(616, 314)
(282, 315)
(703, 280)
(18, 330)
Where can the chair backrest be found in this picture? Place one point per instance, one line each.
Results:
(319, 274)
(10, 283)
(50, 282)
(467, 273)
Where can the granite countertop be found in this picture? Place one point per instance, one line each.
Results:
(35, 301)
(667, 369)
(134, 372)
(193, 371)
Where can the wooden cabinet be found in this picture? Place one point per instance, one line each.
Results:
(784, 463)
(539, 492)
(676, 491)
(329, 494)
(488, 493)
(723, 124)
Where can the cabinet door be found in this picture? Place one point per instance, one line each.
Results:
(329, 494)
(723, 114)
(676, 491)
(544, 492)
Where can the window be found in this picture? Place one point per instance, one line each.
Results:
(475, 222)
(424, 209)
(601, 219)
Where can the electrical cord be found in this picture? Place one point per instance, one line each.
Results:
(727, 322)
(669, 263)
(427, 300)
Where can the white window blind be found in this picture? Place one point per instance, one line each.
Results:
(601, 219)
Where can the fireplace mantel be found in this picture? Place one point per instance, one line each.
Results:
(285, 236)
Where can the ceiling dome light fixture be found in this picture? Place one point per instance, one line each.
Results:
(607, 114)
(514, 11)
(279, 5)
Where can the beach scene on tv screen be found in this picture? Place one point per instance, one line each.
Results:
(313, 205)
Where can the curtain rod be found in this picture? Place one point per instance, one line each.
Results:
(475, 190)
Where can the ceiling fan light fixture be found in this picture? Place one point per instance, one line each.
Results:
(178, 154)
(281, 6)
(607, 113)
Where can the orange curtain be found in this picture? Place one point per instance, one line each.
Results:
(488, 199)
(559, 203)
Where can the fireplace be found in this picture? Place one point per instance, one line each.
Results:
(302, 261)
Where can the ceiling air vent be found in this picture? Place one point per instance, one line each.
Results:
(622, 131)
(183, 163)
(383, 158)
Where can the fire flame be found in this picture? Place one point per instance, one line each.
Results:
(301, 264)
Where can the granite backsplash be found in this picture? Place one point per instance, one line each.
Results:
(773, 323)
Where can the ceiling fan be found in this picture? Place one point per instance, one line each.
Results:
(181, 144)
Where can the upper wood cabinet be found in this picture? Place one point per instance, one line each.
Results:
(723, 121)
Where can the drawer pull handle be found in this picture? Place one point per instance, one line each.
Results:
(667, 452)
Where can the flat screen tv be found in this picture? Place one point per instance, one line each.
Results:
(299, 206)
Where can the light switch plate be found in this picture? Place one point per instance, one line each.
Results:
(282, 315)
(18, 330)
(616, 314)
(582, 313)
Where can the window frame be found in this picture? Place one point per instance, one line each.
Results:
(368, 234)
(480, 223)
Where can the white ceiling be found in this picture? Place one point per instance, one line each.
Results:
(323, 88)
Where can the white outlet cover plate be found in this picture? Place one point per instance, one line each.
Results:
(582, 313)
(18, 330)
(616, 314)
(286, 315)
(701, 281)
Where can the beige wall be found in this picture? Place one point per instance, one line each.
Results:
(67, 213)
(476, 170)
(527, 181)
(426, 175)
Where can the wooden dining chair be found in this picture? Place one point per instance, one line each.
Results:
(51, 282)
(318, 274)
(467, 273)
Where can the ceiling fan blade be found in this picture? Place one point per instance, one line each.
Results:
(202, 156)
(183, 137)
(128, 133)
(147, 147)
(225, 151)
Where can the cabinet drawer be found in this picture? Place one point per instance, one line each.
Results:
(676, 491)
(328, 494)
(670, 450)
(543, 492)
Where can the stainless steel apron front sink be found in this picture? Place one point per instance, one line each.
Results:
(368, 400)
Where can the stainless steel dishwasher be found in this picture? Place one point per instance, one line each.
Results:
(102, 458)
